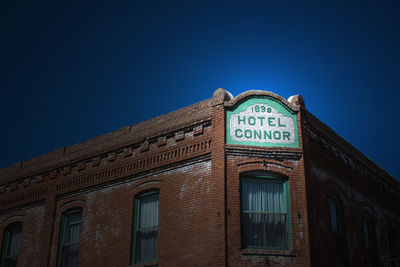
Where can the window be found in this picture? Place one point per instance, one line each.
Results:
(391, 259)
(391, 242)
(370, 242)
(338, 233)
(145, 227)
(265, 213)
(11, 241)
(69, 238)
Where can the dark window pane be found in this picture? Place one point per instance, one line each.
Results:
(338, 234)
(371, 242)
(11, 262)
(147, 245)
(334, 222)
(74, 218)
(70, 255)
(265, 230)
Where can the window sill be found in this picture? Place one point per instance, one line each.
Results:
(145, 264)
(267, 252)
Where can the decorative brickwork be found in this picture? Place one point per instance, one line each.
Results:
(185, 158)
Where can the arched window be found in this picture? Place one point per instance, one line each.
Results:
(145, 227)
(265, 217)
(11, 241)
(69, 238)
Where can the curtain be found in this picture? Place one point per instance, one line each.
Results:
(13, 246)
(264, 213)
(71, 240)
(15, 238)
(148, 211)
(263, 196)
(148, 228)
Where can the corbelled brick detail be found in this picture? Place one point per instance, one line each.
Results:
(183, 155)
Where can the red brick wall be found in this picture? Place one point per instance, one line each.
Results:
(33, 230)
(285, 161)
(171, 153)
(337, 169)
(185, 230)
(183, 154)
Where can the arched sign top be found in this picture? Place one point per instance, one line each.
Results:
(234, 101)
(262, 120)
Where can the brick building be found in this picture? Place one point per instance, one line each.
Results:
(252, 180)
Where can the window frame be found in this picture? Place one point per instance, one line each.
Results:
(371, 240)
(271, 176)
(391, 241)
(6, 241)
(136, 218)
(63, 227)
(340, 233)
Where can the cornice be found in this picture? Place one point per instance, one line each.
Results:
(154, 153)
(165, 139)
(343, 150)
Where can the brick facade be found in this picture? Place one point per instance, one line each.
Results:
(184, 156)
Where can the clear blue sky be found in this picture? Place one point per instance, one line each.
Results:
(74, 70)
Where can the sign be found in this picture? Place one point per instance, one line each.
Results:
(262, 121)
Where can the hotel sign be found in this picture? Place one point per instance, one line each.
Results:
(262, 121)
